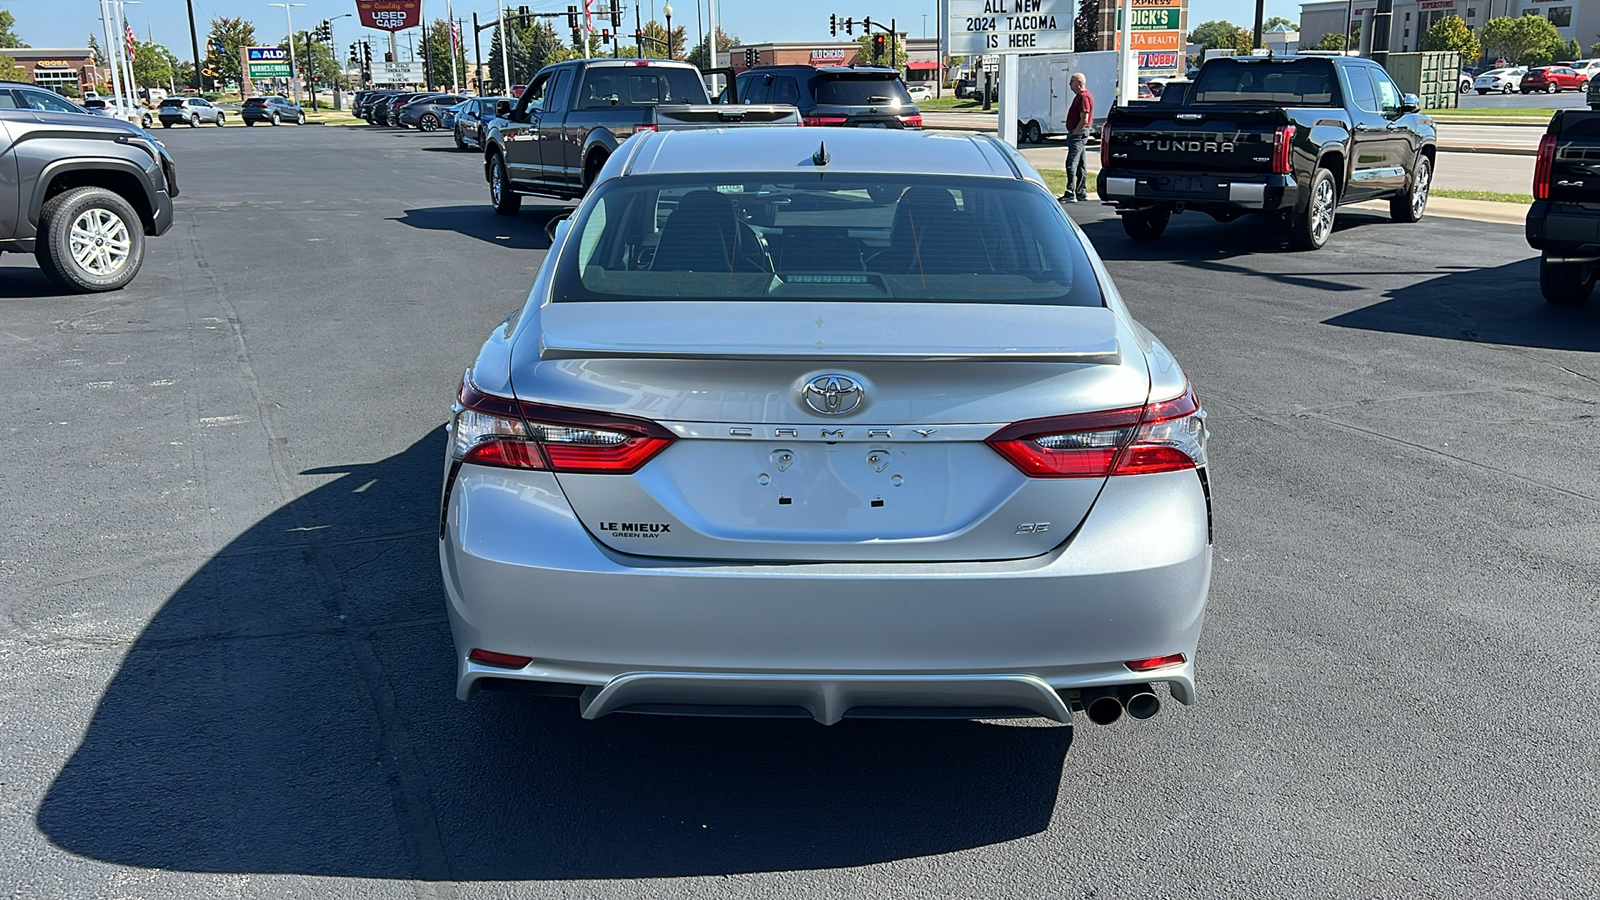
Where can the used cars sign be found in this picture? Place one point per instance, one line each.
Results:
(390, 15)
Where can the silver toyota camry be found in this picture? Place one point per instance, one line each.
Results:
(826, 423)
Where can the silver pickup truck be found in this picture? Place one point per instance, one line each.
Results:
(573, 115)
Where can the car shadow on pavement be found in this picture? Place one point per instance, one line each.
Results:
(1195, 236)
(1499, 305)
(290, 709)
(26, 281)
(524, 231)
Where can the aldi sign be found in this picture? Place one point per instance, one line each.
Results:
(267, 62)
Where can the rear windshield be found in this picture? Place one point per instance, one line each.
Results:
(850, 237)
(256, 101)
(608, 86)
(855, 90)
(177, 101)
(1308, 82)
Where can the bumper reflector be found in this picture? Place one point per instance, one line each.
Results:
(503, 660)
(1155, 662)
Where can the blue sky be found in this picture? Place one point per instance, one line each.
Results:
(68, 23)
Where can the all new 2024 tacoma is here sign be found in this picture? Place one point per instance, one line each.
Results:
(1009, 26)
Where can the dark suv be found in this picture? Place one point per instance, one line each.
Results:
(270, 109)
(87, 191)
(850, 96)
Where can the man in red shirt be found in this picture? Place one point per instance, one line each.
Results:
(1080, 118)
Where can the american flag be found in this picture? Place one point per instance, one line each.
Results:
(128, 30)
(588, 17)
(455, 35)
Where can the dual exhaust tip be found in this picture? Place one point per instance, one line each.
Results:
(1106, 705)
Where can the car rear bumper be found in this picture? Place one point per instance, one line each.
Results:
(1198, 190)
(524, 577)
(1563, 230)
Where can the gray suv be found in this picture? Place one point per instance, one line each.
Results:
(87, 192)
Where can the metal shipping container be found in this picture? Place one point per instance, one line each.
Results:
(1434, 76)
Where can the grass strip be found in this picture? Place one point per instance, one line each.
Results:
(1487, 113)
(1493, 196)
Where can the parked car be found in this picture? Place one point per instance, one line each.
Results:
(1565, 215)
(271, 109)
(189, 111)
(87, 230)
(474, 118)
(1553, 80)
(1587, 67)
(387, 110)
(364, 101)
(557, 137)
(919, 92)
(426, 113)
(104, 107)
(1465, 82)
(1293, 137)
(853, 96)
(812, 529)
(447, 121)
(1503, 81)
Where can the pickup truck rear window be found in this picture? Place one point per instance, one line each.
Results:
(638, 86)
(1304, 82)
(845, 237)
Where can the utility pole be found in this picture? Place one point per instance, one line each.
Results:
(477, 57)
(194, 45)
(427, 48)
(450, 20)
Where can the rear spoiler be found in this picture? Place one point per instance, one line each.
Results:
(1105, 355)
(1145, 113)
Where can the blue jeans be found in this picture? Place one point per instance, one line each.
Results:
(1078, 165)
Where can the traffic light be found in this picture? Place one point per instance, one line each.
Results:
(877, 47)
(752, 57)
(866, 25)
(616, 15)
(355, 52)
(572, 19)
(833, 23)
(388, 57)
(605, 36)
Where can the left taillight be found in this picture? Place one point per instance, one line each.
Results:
(497, 431)
(1282, 143)
(1162, 436)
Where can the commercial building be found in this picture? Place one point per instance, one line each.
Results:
(922, 56)
(1158, 30)
(1574, 19)
(56, 68)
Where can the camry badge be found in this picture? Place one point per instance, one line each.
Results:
(833, 395)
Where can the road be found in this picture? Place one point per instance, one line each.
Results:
(228, 668)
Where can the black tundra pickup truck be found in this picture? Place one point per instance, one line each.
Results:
(1290, 136)
(1564, 221)
(570, 119)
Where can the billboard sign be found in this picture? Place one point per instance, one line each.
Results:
(979, 27)
(267, 62)
(390, 15)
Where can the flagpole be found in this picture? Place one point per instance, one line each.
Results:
(113, 60)
(505, 49)
(450, 18)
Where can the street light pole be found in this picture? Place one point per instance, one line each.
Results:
(294, 65)
(668, 11)
(333, 47)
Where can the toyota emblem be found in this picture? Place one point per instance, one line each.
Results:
(833, 395)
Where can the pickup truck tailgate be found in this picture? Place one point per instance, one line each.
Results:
(1216, 141)
(670, 118)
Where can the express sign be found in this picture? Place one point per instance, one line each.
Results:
(390, 15)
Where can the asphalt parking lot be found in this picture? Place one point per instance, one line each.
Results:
(229, 671)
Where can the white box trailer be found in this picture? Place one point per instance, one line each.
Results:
(1043, 97)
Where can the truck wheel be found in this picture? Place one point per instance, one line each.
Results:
(1564, 283)
(1408, 207)
(90, 239)
(1035, 133)
(591, 169)
(505, 201)
(1315, 225)
(1146, 224)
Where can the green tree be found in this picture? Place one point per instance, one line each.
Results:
(8, 38)
(97, 53)
(1594, 49)
(1524, 40)
(1451, 33)
(1330, 41)
(152, 64)
(1278, 20)
(438, 41)
(1216, 35)
(893, 53)
(1086, 27)
(10, 71)
(314, 59)
(235, 34)
(654, 45)
(701, 57)
(1573, 51)
(532, 48)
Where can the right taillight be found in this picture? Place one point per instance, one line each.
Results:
(1282, 142)
(1542, 167)
(510, 434)
(1161, 436)
(1105, 145)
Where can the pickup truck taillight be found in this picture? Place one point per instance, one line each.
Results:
(823, 120)
(1105, 145)
(1282, 140)
(637, 129)
(1542, 167)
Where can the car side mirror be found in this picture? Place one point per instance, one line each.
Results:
(1409, 104)
(554, 227)
(502, 109)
